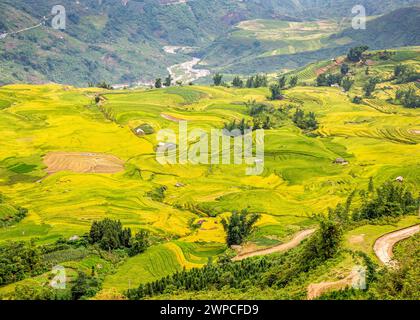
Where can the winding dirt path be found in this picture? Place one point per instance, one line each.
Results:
(383, 246)
(297, 239)
(355, 279)
(171, 118)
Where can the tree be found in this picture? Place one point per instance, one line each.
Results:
(282, 81)
(322, 80)
(237, 82)
(260, 81)
(33, 290)
(305, 121)
(293, 81)
(158, 83)
(344, 69)
(84, 286)
(275, 92)
(139, 243)
(371, 187)
(327, 80)
(103, 85)
(326, 242)
(408, 98)
(369, 87)
(405, 74)
(109, 234)
(357, 100)
(217, 79)
(168, 81)
(355, 54)
(250, 82)
(19, 260)
(239, 226)
(347, 83)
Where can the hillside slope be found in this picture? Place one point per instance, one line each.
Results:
(121, 42)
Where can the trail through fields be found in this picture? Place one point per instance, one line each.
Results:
(297, 239)
(316, 289)
(171, 118)
(82, 162)
(383, 246)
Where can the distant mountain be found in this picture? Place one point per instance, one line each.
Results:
(396, 29)
(121, 41)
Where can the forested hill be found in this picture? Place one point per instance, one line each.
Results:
(121, 41)
(397, 29)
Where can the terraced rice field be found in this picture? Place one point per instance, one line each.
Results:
(299, 176)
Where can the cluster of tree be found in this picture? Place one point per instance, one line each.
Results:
(347, 83)
(391, 199)
(110, 235)
(240, 126)
(355, 54)
(370, 86)
(102, 84)
(275, 91)
(237, 82)
(12, 217)
(157, 194)
(167, 83)
(239, 226)
(405, 73)
(282, 81)
(408, 98)
(85, 285)
(264, 116)
(257, 81)
(305, 121)
(261, 272)
(19, 260)
(327, 80)
(344, 69)
(218, 79)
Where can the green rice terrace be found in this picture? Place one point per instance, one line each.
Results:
(342, 165)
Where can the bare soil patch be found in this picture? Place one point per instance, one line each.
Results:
(297, 239)
(82, 162)
(337, 62)
(171, 118)
(384, 245)
(317, 289)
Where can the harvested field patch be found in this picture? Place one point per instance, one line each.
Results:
(82, 162)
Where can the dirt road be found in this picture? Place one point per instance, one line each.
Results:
(383, 245)
(355, 279)
(297, 239)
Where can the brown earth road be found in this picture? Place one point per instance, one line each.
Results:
(317, 289)
(297, 239)
(171, 118)
(383, 245)
(383, 250)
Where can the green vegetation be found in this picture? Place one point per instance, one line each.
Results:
(355, 54)
(319, 148)
(305, 121)
(19, 260)
(239, 226)
(110, 235)
(261, 272)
